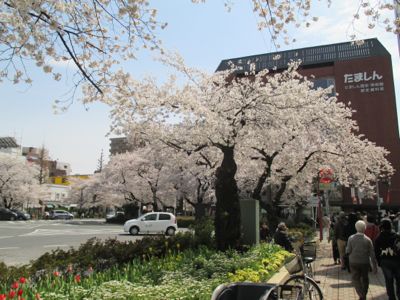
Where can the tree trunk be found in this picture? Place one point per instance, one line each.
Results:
(227, 216)
(155, 205)
(199, 211)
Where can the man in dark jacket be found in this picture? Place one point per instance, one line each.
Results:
(281, 237)
(341, 238)
(386, 253)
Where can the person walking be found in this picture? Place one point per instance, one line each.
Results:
(333, 240)
(339, 233)
(264, 232)
(372, 231)
(281, 237)
(326, 222)
(361, 254)
(388, 258)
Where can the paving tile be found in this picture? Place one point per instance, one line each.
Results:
(336, 283)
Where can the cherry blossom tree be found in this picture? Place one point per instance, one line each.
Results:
(278, 16)
(291, 165)
(92, 35)
(141, 176)
(270, 112)
(92, 192)
(95, 36)
(18, 182)
(195, 178)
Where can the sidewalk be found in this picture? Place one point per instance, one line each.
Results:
(336, 283)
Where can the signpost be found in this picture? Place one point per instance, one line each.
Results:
(325, 183)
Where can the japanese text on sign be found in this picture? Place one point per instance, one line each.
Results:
(365, 82)
(362, 76)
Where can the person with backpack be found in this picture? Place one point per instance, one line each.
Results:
(387, 252)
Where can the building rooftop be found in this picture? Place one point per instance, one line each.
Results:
(309, 56)
(8, 142)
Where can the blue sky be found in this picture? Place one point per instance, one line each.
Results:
(203, 34)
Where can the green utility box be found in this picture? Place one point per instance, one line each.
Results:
(250, 218)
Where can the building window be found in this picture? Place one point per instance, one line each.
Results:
(324, 83)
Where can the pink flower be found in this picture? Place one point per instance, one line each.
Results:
(56, 273)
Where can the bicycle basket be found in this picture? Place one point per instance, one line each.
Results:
(309, 250)
(293, 266)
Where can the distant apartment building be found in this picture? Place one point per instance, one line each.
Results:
(9, 145)
(60, 189)
(120, 145)
(40, 156)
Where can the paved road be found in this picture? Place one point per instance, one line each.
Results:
(22, 241)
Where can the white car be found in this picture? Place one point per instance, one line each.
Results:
(61, 214)
(153, 222)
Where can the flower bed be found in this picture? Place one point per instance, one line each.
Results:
(190, 274)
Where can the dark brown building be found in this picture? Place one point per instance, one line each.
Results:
(361, 74)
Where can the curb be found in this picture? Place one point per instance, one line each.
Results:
(280, 277)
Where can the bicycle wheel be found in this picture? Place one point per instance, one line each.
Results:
(298, 287)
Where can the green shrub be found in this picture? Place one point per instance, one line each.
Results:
(185, 221)
(191, 274)
(306, 231)
(204, 232)
(100, 255)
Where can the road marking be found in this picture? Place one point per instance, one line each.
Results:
(9, 248)
(7, 236)
(48, 232)
(55, 246)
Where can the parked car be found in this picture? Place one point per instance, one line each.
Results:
(21, 215)
(61, 214)
(6, 214)
(117, 217)
(153, 222)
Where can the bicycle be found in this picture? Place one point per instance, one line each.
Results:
(301, 286)
(297, 287)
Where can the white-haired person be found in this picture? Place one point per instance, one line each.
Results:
(361, 255)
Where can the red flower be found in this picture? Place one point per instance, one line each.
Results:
(11, 294)
(56, 273)
(22, 280)
(2, 296)
(77, 278)
(20, 291)
(15, 285)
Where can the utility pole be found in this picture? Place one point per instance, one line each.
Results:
(378, 199)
